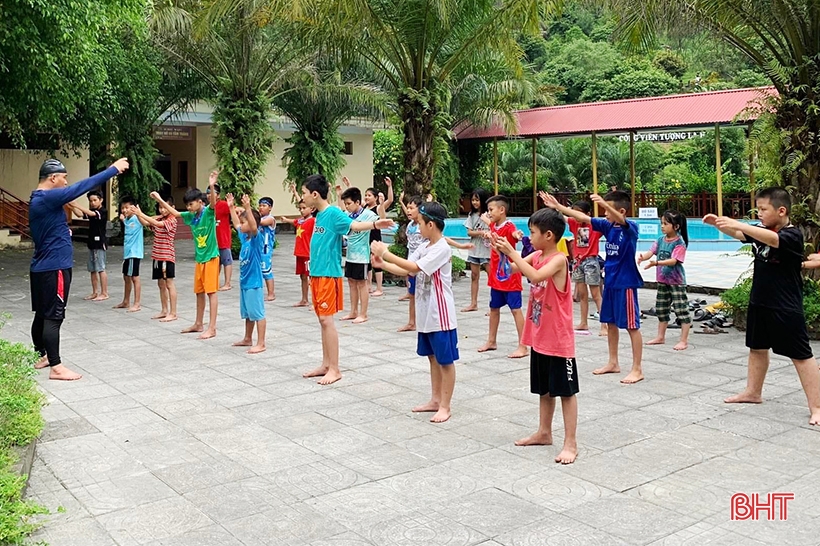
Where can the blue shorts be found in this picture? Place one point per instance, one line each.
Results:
(620, 307)
(411, 285)
(499, 298)
(267, 266)
(443, 345)
(252, 304)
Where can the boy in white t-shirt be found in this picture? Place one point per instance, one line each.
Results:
(430, 263)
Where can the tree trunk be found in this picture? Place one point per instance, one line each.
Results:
(418, 115)
(801, 127)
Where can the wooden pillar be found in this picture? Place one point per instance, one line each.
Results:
(751, 169)
(495, 165)
(594, 171)
(718, 171)
(632, 168)
(534, 176)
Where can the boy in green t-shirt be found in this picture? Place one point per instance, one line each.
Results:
(202, 220)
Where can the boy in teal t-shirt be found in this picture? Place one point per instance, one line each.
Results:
(202, 220)
(326, 269)
(132, 254)
(357, 263)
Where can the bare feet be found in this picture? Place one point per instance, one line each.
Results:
(604, 332)
(521, 352)
(609, 368)
(568, 455)
(681, 346)
(744, 398)
(207, 334)
(91, 296)
(429, 406)
(193, 329)
(42, 363)
(582, 326)
(360, 320)
(442, 415)
(404, 297)
(270, 298)
(61, 373)
(487, 347)
(225, 287)
(470, 308)
(656, 341)
(302, 303)
(317, 372)
(407, 328)
(256, 349)
(535, 439)
(162, 314)
(377, 293)
(349, 316)
(134, 308)
(168, 318)
(123, 305)
(242, 343)
(101, 297)
(330, 377)
(632, 378)
(815, 418)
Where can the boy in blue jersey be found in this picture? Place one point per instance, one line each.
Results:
(619, 305)
(267, 229)
(53, 259)
(133, 249)
(251, 296)
(326, 269)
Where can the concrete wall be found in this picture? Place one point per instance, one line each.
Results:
(359, 167)
(19, 170)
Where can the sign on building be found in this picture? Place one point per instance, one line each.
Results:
(173, 132)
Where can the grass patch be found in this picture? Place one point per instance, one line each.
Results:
(21, 421)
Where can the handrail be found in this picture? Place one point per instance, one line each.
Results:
(14, 214)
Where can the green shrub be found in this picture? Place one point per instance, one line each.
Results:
(737, 298)
(459, 266)
(20, 423)
(398, 250)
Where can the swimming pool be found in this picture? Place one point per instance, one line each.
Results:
(702, 237)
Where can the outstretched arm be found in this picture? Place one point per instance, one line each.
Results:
(234, 216)
(389, 201)
(381, 223)
(461, 246)
(62, 196)
(212, 194)
(382, 255)
(617, 216)
(171, 210)
(144, 218)
(246, 202)
(551, 202)
(295, 193)
(524, 265)
(727, 226)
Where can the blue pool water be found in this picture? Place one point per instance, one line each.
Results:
(702, 237)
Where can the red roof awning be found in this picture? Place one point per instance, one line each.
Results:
(693, 110)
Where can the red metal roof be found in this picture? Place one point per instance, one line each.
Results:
(692, 110)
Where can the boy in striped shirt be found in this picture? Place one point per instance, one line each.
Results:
(163, 257)
(431, 264)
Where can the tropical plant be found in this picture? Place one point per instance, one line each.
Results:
(244, 52)
(428, 52)
(325, 96)
(779, 38)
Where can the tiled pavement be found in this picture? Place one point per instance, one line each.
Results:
(173, 441)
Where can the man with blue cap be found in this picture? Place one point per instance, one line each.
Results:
(50, 271)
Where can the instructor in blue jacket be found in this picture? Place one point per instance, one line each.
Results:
(50, 271)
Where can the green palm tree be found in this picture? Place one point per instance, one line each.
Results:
(244, 54)
(441, 61)
(781, 37)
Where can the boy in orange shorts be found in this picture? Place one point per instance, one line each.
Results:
(326, 269)
(202, 220)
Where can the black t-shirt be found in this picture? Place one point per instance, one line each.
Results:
(375, 234)
(96, 229)
(777, 280)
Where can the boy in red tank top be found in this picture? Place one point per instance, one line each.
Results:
(548, 329)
